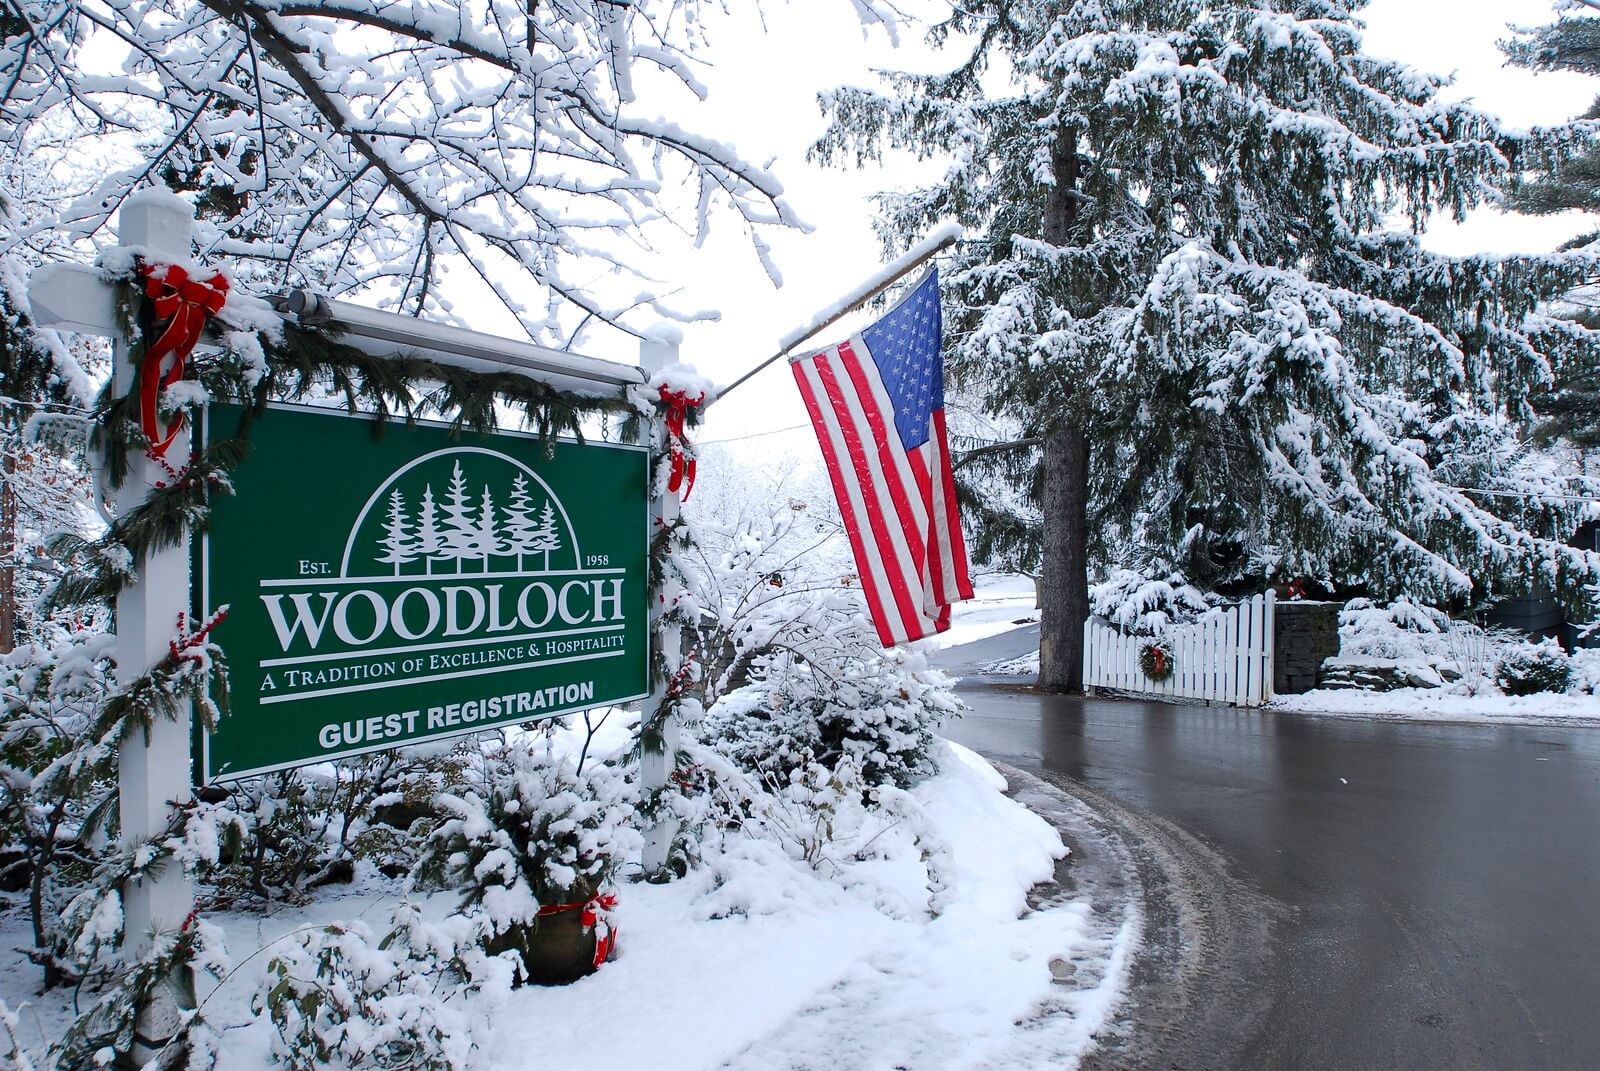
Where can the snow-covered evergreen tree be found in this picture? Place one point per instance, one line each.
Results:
(1571, 408)
(366, 147)
(430, 540)
(458, 532)
(1183, 280)
(520, 529)
(398, 543)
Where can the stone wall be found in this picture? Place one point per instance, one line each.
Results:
(1304, 634)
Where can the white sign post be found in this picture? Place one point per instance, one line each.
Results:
(153, 771)
(153, 774)
(656, 766)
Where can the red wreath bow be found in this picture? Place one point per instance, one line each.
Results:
(678, 404)
(184, 304)
(596, 914)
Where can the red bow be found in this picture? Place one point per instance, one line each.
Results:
(678, 403)
(184, 303)
(596, 916)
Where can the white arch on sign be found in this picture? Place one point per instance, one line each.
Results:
(361, 518)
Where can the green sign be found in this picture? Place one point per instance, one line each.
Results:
(387, 589)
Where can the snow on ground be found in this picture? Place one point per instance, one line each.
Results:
(757, 963)
(1023, 665)
(1441, 704)
(1000, 602)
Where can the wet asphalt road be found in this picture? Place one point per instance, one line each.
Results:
(1429, 895)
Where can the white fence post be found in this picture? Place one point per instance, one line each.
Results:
(656, 766)
(1269, 632)
(1088, 655)
(153, 770)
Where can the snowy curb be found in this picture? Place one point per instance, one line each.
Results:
(1434, 706)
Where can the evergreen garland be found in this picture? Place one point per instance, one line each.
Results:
(304, 362)
(315, 361)
(113, 1022)
(188, 671)
(667, 579)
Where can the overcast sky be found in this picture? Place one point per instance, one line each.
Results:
(763, 100)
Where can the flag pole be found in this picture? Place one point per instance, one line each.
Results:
(914, 258)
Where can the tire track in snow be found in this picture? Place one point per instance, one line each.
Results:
(1194, 1001)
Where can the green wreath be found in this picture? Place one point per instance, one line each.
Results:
(1155, 659)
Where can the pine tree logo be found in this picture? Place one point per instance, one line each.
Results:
(460, 513)
(399, 546)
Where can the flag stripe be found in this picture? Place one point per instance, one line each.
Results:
(933, 575)
(893, 547)
(892, 455)
(950, 526)
(934, 587)
(909, 495)
(945, 585)
(828, 435)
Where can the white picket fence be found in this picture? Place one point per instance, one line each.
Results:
(1224, 658)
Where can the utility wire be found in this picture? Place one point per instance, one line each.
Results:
(752, 435)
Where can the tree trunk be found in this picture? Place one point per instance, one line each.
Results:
(1064, 586)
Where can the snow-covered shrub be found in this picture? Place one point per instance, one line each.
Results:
(57, 780)
(876, 711)
(816, 761)
(1472, 653)
(1586, 671)
(530, 828)
(1534, 668)
(768, 569)
(301, 829)
(1145, 606)
(822, 820)
(1418, 645)
(341, 997)
(1407, 644)
(1400, 631)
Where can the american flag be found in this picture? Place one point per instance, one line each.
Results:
(877, 403)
